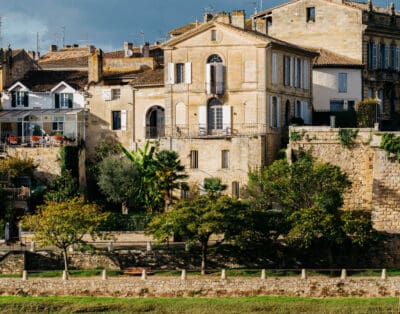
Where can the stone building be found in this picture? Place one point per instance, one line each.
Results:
(229, 93)
(360, 31)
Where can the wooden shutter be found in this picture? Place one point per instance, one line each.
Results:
(374, 56)
(306, 79)
(202, 120)
(278, 112)
(70, 101)
(188, 73)
(219, 67)
(292, 66)
(226, 118)
(271, 112)
(208, 78)
(123, 120)
(26, 99)
(274, 74)
(171, 73)
(57, 101)
(13, 99)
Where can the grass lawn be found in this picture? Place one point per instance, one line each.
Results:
(197, 305)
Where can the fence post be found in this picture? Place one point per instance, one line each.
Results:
(303, 274)
(148, 246)
(144, 274)
(64, 275)
(110, 246)
(384, 274)
(24, 275)
(33, 246)
(263, 274)
(104, 274)
(183, 275)
(343, 274)
(223, 274)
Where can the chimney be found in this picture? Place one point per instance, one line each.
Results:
(370, 6)
(32, 54)
(5, 68)
(224, 17)
(207, 17)
(53, 48)
(128, 49)
(261, 25)
(75, 45)
(145, 50)
(238, 18)
(91, 48)
(96, 66)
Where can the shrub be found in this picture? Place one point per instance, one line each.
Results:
(367, 113)
(346, 137)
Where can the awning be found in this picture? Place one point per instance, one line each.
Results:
(17, 115)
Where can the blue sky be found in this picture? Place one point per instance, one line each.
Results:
(108, 23)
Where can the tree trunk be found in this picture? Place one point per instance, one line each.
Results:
(203, 257)
(65, 254)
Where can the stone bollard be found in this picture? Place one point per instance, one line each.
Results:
(263, 274)
(104, 274)
(33, 244)
(24, 275)
(183, 275)
(384, 274)
(223, 274)
(71, 248)
(110, 246)
(148, 246)
(64, 275)
(303, 273)
(343, 275)
(144, 274)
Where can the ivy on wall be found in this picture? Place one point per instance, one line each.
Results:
(391, 144)
(69, 157)
(347, 137)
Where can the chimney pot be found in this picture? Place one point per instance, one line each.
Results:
(53, 48)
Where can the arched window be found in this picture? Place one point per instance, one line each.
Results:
(215, 75)
(215, 115)
(155, 122)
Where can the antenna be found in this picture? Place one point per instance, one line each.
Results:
(63, 35)
(142, 33)
(1, 37)
(261, 5)
(37, 44)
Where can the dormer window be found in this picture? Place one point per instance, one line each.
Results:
(19, 99)
(213, 35)
(63, 100)
(215, 75)
(310, 14)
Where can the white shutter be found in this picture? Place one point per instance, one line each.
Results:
(226, 119)
(123, 120)
(305, 114)
(292, 66)
(274, 73)
(296, 72)
(301, 74)
(219, 67)
(306, 69)
(271, 112)
(188, 73)
(107, 94)
(171, 73)
(202, 120)
(278, 112)
(208, 78)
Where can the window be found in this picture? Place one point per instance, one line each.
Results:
(215, 115)
(393, 58)
(311, 14)
(351, 105)
(155, 122)
(306, 74)
(116, 120)
(275, 112)
(184, 191)
(213, 35)
(63, 100)
(269, 21)
(336, 105)
(235, 189)
(384, 56)
(58, 124)
(214, 75)
(342, 82)
(298, 73)
(180, 73)
(274, 68)
(19, 99)
(225, 159)
(297, 109)
(194, 159)
(116, 93)
(370, 93)
(286, 70)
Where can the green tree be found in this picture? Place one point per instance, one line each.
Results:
(213, 187)
(118, 179)
(198, 219)
(14, 167)
(63, 188)
(169, 172)
(64, 223)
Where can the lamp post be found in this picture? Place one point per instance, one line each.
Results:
(378, 103)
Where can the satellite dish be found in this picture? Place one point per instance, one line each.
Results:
(129, 53)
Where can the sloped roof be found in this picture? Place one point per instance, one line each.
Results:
(16, 52)
(148, 78)
(66, 58)
(43, 81)
(184, 28)
(328, 58)
(135, 50)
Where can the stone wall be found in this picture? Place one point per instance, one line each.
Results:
(12, 263)
(375, 177)
(199, 287)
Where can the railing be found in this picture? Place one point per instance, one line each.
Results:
(155, 132)
(36, 141)
(225, 130)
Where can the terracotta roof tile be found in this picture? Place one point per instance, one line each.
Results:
(66, 57)
(149, 78)
(136, 52)
(184, 28)
(42, 81)
(328, 58)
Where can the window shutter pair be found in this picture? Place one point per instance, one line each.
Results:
(70, 102)
(218, 80)
(171, 77)
(226, 119)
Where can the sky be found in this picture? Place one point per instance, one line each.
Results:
(106, 24)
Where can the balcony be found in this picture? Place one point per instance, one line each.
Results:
(232, 130)
(153, 132)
